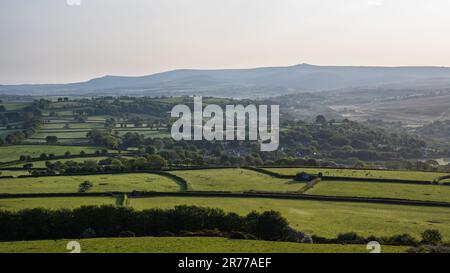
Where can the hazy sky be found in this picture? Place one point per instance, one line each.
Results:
(48, 41)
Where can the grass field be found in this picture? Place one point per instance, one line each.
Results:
(102, 183)
(182, 245)
(15, 106)
(10, 153)
(13, 173)
(404, 175)
(235, 180)
(68, 134)
(325, 218)
(382, 190)
(14, 204)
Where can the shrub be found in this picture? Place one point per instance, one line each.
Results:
(122, 200)
(51, 139)
(167, 234)
(238, 235)
(85, 186)
(269, 225)
(402, 239)
(322, 240)
(127, 233)
(292, 235)
(380, 240)
(350, 238)
(89, 233)
(307, 240)
(204, 233)
(429, 249)
(431, 236)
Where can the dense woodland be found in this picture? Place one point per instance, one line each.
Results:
(437, 129)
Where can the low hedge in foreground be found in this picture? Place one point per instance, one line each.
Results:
(430, 237)
(110, 221)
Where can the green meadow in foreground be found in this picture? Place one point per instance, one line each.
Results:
(101, 183)
(183, 245)
(11, 153)
(14, 204)
(325, 218)
(384, 174)
(382, 190)
(237, 180)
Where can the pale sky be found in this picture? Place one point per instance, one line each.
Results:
(48, 41)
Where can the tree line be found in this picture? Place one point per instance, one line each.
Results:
(122, 221)
(111, 221)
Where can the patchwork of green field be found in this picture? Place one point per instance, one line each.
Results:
(125, 125)
(382, 190)
(325, 218)
(64, 105)
(99, 118)
(5, 132)
(134, 129)
(80, 133)
(101, 183)
(70, 119)
(60, 119)
(131, 126)
(14, 204)
(237, 180)
(384, 174)
(41, 164)
(61, 141)
(147, 133)
(183, 245)
(15, 106)
(68, 134)
(72, 125)
(59, 113)
(11, 153)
